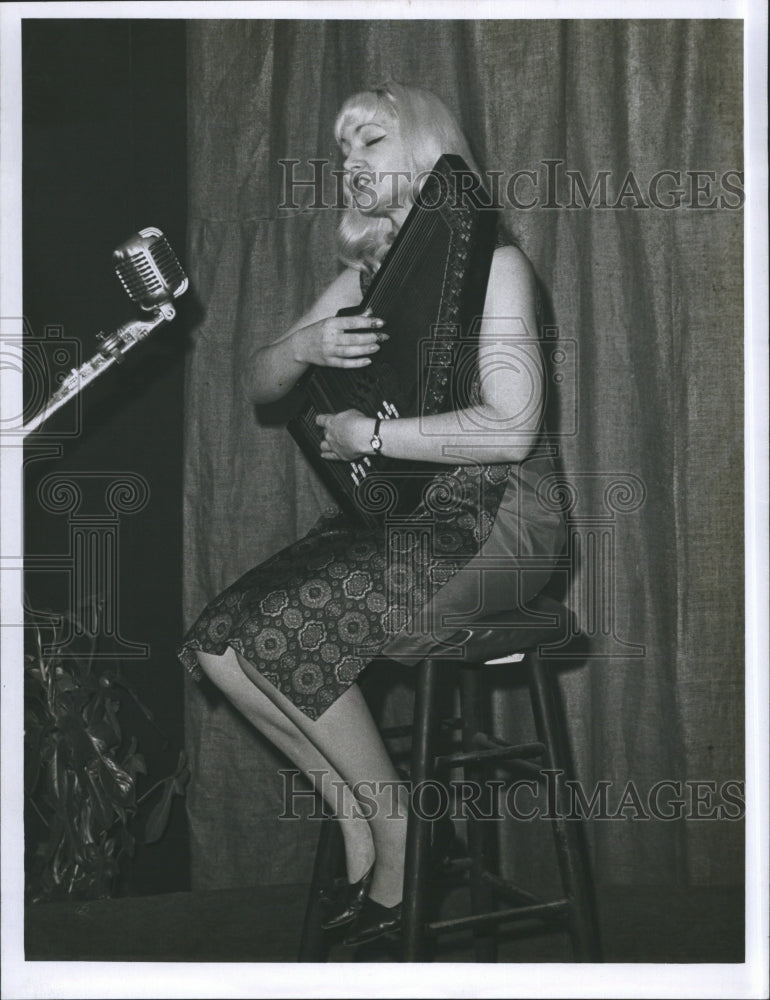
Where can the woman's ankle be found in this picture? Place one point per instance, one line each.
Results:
(390, 844)
(359, 849)
(387, 886)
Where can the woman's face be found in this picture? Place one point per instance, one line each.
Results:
(379, 167)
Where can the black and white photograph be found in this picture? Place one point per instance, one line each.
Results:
(384, 499)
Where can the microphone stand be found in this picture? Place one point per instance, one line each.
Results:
(113, 349)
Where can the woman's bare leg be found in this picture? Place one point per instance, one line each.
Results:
(347, 737)
(226, 673)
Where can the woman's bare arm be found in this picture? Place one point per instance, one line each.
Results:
(503, 425)
(318, 337)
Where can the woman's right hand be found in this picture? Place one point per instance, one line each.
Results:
(330, 343)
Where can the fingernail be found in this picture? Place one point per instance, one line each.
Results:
(382, 336)
(379, 322)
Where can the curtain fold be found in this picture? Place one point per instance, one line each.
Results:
(651, 412)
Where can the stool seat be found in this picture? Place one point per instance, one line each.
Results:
(543, 621)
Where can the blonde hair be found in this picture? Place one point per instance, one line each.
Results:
(428, 129)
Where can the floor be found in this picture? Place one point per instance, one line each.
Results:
(648, 924)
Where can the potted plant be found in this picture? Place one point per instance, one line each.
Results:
(82, 772)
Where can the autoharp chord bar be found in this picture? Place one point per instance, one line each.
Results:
(357, 469)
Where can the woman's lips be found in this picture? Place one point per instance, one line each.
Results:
(363, 180)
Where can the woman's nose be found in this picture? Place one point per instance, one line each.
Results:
(353, 162)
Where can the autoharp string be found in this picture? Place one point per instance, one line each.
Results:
(403, 260)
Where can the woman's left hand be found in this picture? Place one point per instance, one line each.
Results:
(347, 435)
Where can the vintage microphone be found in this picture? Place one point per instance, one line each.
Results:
(149, 270)
(152, 276)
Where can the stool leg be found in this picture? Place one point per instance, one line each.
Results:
(313, 943)
(570, 848)
(418, 836)
(480, 843)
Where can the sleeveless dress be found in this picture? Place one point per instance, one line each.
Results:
(311, 617)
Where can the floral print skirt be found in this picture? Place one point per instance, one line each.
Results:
(313, 616)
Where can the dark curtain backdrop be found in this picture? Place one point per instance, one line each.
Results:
(653, 299)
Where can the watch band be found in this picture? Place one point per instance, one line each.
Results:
(376, 441)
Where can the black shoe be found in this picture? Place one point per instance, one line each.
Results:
(372, 921)
(344, 909)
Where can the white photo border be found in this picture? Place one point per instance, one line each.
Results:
(23, 979)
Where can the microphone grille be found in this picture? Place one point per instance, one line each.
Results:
(149, 269)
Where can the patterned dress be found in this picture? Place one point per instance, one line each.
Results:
(313, 616)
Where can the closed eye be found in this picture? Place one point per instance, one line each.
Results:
(373, 142)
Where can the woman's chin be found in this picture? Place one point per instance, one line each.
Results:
(383, 208)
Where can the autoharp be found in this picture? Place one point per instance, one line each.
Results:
(429, 290)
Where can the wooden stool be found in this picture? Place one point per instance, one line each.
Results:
(510, 638)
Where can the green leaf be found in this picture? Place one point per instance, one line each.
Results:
(55, 773)
(48, 848)
(102, 808)
(110, 711)
(180, 783)
(135, 764)
(127, 842)
(158, 818)
(33, 763)
(182, 775)
(122, 782)
(80, 747)
(88, 816)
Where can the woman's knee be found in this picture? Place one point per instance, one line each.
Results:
(226, 673)
(218, 668)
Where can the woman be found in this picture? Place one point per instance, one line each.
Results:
(286, 642)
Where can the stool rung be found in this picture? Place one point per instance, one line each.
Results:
(542, 911)
(510, 891)
(506, 752)
(399, 732)
(526, 750)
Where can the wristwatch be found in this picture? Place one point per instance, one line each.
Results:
(376, 441)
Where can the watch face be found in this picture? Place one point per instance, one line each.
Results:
(376, 443)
